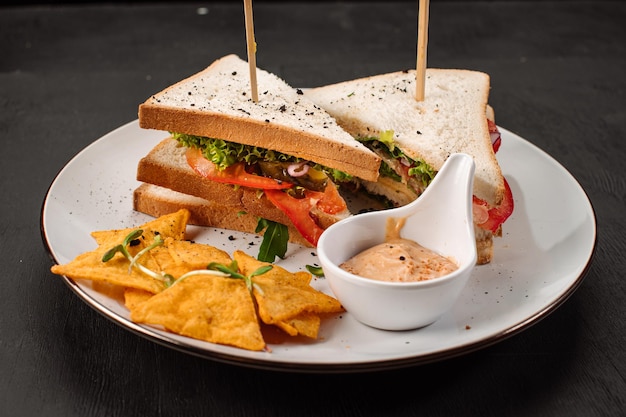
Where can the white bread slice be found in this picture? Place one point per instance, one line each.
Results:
(217, 103)
(157, 201)
(451, 118)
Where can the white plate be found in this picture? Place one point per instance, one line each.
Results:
(541, 259)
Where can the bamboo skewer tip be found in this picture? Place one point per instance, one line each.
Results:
(422, 43)
(251, 47)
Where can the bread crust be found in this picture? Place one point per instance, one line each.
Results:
(166, 166)
(156, 201)
(484, 245)
(214, 103)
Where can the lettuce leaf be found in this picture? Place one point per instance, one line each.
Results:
(418, 168)
(224, 154)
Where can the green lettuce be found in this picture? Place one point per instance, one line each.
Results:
(224, 154)
(418, 168)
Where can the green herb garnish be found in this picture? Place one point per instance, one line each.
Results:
(133, 239)
(315, 270)
(221, 270)
(417, 168)
(132, 236)
(274, 242)
(232, 270)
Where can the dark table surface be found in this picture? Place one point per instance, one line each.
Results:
(70, 74)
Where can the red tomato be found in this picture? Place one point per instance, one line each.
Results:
(299, 209)
(497, 215)
(494, 129)
(491, 218)
(330, 201)
(299, 212)
(234, 174)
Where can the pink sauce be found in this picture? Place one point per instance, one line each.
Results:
(398, 259)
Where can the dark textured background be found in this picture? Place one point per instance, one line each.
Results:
(69, 74)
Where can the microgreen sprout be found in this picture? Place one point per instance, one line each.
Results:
(132, 239)
(214, 268)
(158, 241)
(197, 272)
(232, 271)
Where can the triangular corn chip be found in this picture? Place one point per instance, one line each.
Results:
(211, 308)
(283, 296)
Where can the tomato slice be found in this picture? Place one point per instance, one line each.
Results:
(299, 209)
(299, 212)
(492, 218)
(497, 215)
(234, 174)
(330, 201)
(493, 129)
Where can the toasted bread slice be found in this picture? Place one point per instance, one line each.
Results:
(216, 103)
(157, 201)
(450, 119)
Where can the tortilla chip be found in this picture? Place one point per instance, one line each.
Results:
(175, 256)
(114, 292)
(248, 264)
(210, 308)
(170, 225)
(133, 297)
(89, 266)
(305, 324)
(281, 303)
(283, 296)
(183, 256)
(204, 307)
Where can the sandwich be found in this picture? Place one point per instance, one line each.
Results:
(270, 166)
(414, 138)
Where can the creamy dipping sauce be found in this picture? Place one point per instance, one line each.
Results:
(399, 259)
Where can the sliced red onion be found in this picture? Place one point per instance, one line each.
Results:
(494, 137)
(298, 169)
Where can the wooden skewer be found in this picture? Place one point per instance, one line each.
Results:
(251, 45)
(422, 42)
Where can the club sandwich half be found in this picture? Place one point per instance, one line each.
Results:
(414, 138)
(269, 167)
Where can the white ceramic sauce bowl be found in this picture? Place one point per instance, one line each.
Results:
(440, 220)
